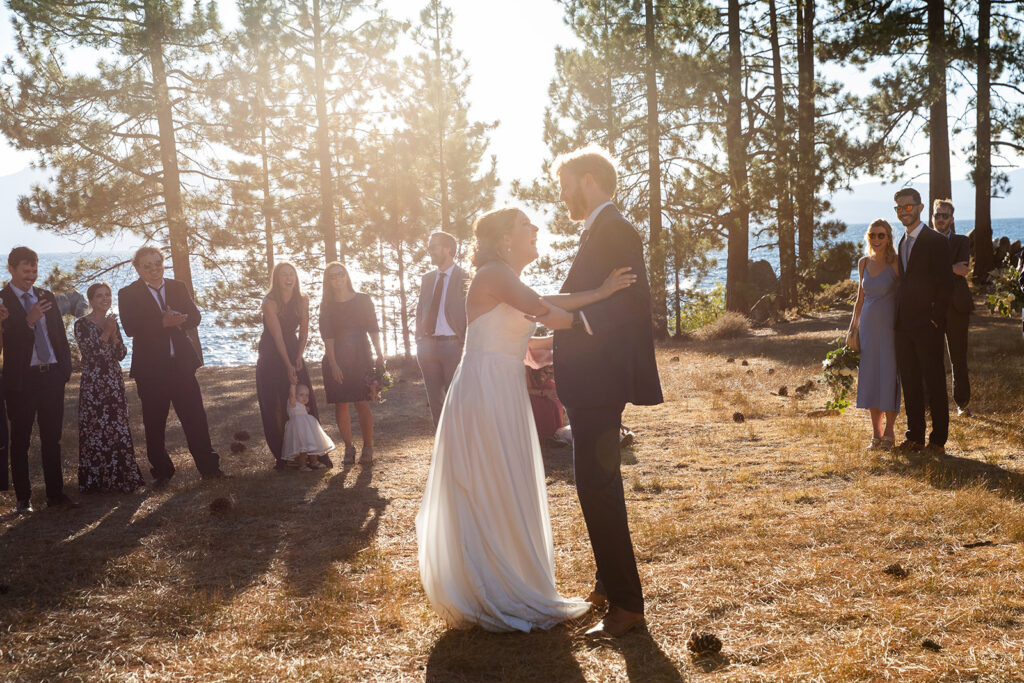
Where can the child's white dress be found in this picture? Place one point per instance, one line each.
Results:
(303, 434)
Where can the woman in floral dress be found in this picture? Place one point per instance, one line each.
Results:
(106, 456)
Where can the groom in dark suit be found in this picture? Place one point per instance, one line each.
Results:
(161, 318)
(922, 303)
(604, 359)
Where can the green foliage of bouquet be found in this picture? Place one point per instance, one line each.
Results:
(378, 381)
(840, 371)
(1006, 298)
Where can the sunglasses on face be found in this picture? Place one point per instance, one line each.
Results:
(901, 208)
(943, 215)
(877, 235)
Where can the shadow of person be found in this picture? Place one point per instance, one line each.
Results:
(342, 521)
(951, 471)
(644, 658)
(477, 655)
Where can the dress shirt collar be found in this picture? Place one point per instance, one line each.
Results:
(163, 281)
(916, 231)
(447, 271)
(594, 214)
(21, 293)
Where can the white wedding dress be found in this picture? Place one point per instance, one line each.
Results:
(485, 551)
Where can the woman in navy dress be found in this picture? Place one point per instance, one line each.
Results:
(348, 323)
(878, 387)
(106, 454)
(280, 364)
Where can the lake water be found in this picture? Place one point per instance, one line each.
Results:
(232, 346)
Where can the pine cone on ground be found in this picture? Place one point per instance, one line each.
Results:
(218, 506)
(237, 447)
(704, 644)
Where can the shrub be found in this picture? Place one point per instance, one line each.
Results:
(729, 325)
(701, 308)
(833, 296)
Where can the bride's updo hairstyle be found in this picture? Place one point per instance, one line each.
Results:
(488, 231)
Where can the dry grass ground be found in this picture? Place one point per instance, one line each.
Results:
(772, 533)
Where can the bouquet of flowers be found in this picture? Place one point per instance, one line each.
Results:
(378, 380)
(840, 370)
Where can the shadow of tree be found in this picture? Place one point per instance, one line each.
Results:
(476, 655)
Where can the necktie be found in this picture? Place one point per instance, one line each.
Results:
(42, 348)
(906, 252)
(159, 296)
(435, 305)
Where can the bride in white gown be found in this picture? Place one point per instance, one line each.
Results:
(484, 535)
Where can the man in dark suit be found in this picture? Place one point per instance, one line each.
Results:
(37, 365)
(161, 318)
(604, 359)
(922, 303)
(960, 303)
(440, 320)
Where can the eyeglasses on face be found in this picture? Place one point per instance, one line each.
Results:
(877, 235)
(943, 214)
(153, 265)
(901, 208)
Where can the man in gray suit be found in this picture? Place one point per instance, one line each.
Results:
(441, 320)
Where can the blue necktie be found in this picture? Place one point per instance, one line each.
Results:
(42, 348)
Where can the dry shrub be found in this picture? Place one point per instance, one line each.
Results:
(729, 325)
(834, 296)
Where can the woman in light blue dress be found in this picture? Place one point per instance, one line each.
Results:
(878, 387)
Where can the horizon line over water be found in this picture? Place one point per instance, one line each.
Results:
(234, 346)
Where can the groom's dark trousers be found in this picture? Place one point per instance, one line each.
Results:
(598, 371)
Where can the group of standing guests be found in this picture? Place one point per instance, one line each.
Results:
(913, 304)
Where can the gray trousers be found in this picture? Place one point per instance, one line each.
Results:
(438, 357)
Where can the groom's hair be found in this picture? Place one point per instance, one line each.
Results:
(590, 159)
(908, 192)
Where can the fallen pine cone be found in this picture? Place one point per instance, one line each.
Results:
(237, 447)
(750, 372)
(737, 417)
(978, 544)
(930, 644)
(242, 435)
(730, 360)
(771, 371)
(783, 391)
(674, 359)
(704, 643)
(744, 363)
(218, 506)
(896, 570)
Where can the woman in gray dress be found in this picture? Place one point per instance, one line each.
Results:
(878, 387)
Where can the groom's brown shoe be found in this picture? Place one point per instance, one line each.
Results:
(597, 600)
(616, 623)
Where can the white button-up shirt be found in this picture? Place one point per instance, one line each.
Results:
(443, 329)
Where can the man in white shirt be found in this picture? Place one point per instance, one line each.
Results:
(441, 320)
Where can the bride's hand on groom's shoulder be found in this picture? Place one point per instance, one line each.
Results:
(555, 318)
(620, 278)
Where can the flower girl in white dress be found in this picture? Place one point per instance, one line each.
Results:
(304, 438)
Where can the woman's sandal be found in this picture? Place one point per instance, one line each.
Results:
(350, 455)
(366, 457)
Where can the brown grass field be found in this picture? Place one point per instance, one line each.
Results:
(771, 533)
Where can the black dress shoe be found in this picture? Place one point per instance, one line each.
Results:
(61, 501)
(24, 507)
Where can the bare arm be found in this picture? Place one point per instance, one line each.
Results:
(855, 321)
(619, 278)
(303, 333)
(332, 362)
(496, 283)
(273, 326)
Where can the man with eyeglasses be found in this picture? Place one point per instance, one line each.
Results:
(922, 303)
(960, 303)
(161, 318)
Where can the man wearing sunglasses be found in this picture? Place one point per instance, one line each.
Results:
(960, 303)
(922, 303)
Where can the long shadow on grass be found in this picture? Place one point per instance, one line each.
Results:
(950, 471)
(342, 520)
(476, 655)
(645, 660)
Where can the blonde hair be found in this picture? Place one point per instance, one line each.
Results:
(488, 231)
(890, 251)
(591, 159)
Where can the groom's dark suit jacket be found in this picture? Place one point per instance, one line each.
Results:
(616, 364)
(926, 284)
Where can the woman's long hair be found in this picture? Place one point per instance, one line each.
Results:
(276, 293)
(890, 248)
(328, 291)
(488, 231)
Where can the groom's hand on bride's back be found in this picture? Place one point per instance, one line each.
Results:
(555, 318)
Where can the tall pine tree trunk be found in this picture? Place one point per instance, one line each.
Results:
(655, 244)
(442, 124)
(678, 303)
(403, 299)
(177, 228)
(982, 235)
(940, 185)
(323, 141)
(739, 211)
(806, 189)
(784, 206)
(268, 204)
